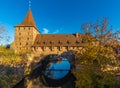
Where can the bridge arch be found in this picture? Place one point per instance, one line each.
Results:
(38, 72)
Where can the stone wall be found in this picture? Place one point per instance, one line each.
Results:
(53, 50)
(24, 39)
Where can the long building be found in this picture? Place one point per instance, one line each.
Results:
(29, 39)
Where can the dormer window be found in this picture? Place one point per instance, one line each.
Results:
(77, 42)
(51, 42)
(60, 42)
(68, 42)
(38, 42)
(44, 42)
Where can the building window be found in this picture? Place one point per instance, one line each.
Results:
(29, 28)
(18, 28)
(52, 42)
(27, 43)
(58, 48)
(44, 42)
(20, 43)
(60, 42)
(38, 42)
(43, 48)
(34, 48)
(19, 39)
(27, 38)
(77, 42)
(51, 48)
(19, 33)
(68, 42)
(24, 28)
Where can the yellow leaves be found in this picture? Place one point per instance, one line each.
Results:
(103, 55)
(27, 71)
(8, 57)
(13, 61)
(83, 79)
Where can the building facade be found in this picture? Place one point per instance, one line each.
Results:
(28, 39)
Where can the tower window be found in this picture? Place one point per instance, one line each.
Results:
(26, 43)
(27, 38)
(19, 33)
(19, 28)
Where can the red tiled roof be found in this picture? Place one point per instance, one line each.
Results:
(57, 40)
(29, 20)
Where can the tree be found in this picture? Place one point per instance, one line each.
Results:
(102, 31)
(3, 36)
(95, 58)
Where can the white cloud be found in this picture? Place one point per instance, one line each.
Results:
(56, 31)
(45, 31)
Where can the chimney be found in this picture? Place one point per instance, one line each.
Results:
(77, 34)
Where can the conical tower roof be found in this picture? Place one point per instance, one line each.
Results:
(29, 20)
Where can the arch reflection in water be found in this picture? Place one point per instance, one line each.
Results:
(59, 69)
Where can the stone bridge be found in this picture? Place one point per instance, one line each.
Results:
(37, 78)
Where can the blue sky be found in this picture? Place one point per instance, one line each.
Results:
(58, 16)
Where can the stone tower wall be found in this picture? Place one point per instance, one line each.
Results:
(24, 38)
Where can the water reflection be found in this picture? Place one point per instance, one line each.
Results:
(58, 69)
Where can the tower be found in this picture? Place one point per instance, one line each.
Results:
(25, 34)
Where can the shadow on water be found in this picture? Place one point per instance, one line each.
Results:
(65, 81)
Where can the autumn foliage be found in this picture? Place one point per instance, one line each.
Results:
(97, 63)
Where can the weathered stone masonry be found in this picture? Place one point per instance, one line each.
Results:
(29, 39)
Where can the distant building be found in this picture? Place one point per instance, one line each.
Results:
(28, 39)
